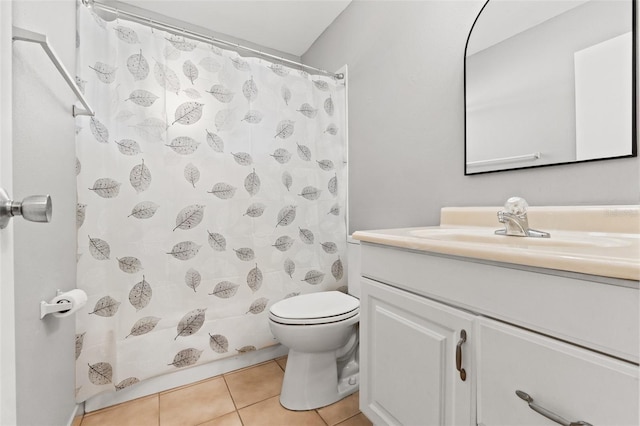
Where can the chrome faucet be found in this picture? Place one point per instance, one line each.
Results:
(515, 220)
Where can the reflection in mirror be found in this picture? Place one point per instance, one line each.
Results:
(549, 82)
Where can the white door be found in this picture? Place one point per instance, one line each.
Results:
(7, 320)
(408, 359)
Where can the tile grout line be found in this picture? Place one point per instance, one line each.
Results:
(278, 395)
(321, 418)
(159, 410)
(232, 400)
(256, 402)
(349, 418)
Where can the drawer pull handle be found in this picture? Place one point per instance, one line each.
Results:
(548, 414)
(463, 338)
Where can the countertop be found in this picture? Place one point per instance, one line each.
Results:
(595, 240)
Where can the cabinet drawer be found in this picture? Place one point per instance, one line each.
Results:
(602, 317)
(574, 383)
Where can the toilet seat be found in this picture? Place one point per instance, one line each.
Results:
(315, 308)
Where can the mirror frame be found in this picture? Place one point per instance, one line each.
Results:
(634, 97)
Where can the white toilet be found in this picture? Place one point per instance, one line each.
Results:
(321, 332)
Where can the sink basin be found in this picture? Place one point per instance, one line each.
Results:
(488, 237)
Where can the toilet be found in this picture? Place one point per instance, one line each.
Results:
(321, 332)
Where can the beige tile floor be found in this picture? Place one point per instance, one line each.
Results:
(247, 397)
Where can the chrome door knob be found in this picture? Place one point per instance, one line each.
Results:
(36, 208)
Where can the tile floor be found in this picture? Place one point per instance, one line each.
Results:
(246, 397)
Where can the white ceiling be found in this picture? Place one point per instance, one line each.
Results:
(290, 26)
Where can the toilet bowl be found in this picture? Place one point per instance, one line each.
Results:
(321, 332)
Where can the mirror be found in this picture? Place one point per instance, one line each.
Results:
(549, 82)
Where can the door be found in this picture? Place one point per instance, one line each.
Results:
(408, 355)
(7, 319)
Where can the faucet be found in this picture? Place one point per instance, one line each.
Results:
(515, 220)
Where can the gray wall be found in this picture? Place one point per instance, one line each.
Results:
(406, 121)
(44, 162)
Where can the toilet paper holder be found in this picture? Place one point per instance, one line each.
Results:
(50, 308)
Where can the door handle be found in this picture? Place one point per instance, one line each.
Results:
(36, 208)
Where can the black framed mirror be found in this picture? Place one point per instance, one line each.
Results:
(550, 82)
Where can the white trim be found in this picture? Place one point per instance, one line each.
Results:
(8, 398)
(184, 377)
(344, 70)
(77, 411)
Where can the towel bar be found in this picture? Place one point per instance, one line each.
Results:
(20, 34)
(534, 156)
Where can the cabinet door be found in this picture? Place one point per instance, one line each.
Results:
(408, 359)
(573, 383)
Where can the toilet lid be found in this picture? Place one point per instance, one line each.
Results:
(315, 308)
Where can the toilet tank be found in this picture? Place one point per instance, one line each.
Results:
(353, 267)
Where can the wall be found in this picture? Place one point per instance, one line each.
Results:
(406, 121)
(45, 254)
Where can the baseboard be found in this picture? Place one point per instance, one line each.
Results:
(183, 377)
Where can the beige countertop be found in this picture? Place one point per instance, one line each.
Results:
(595, 240)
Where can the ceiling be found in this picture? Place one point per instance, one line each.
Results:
(287, 26)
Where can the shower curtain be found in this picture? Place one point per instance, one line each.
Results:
(210, 186)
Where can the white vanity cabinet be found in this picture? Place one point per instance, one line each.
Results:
(568, 341)
(408, 355)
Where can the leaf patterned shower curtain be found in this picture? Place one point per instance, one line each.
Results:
(210, 186)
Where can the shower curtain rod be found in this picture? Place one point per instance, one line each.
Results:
(197, 36)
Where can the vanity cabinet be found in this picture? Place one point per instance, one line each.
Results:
(408, 356)
(569, 341)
